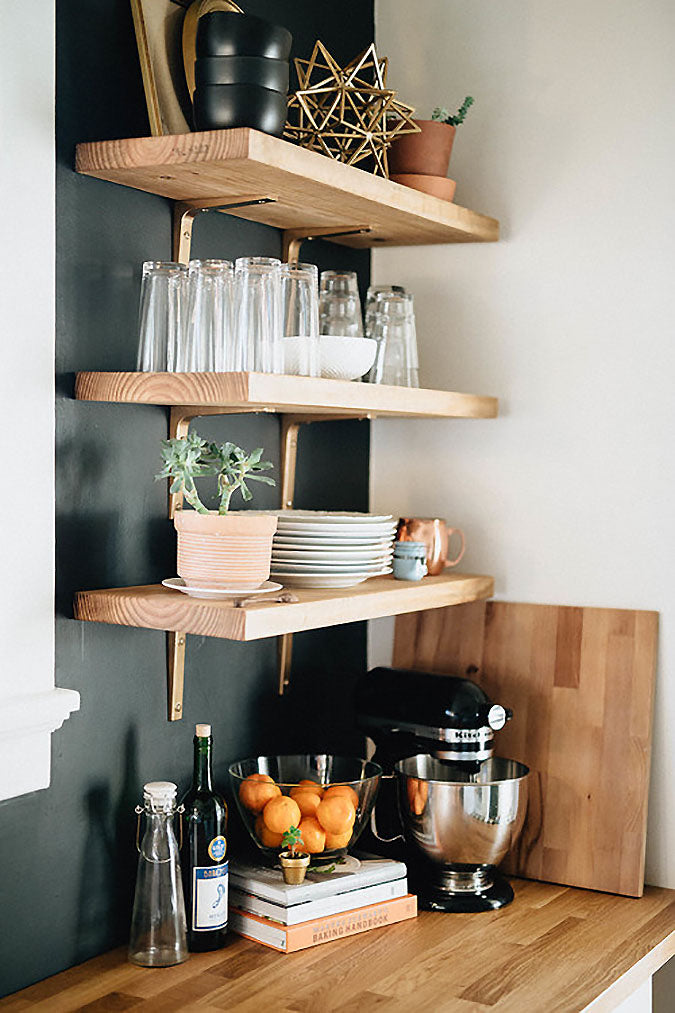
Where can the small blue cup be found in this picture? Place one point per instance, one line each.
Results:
(410, 560)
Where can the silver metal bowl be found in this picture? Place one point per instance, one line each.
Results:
(456, 818)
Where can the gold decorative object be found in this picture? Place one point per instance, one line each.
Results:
(347, 113)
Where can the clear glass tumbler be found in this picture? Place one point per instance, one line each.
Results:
(300, 319)
(206, 345)
(376, 292)
(257, 315)
(160, 321)
(340, 305)
(158, 926)
(396, 360)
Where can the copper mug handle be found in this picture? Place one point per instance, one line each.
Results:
(451, 532)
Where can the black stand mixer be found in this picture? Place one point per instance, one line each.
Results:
(461, 808)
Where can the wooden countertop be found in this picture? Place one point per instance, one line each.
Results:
(554, 948)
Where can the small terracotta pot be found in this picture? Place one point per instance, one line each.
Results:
(426, 153)
(437, 186)
(230, 550)
(294, 867)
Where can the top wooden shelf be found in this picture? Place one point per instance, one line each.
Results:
(306, 191)
(222, 393)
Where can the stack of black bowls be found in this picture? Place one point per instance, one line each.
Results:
(241, 73)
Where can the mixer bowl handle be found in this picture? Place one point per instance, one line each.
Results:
(373, 821)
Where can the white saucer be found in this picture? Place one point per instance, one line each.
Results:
(221, 593)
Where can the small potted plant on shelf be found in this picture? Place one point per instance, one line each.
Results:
(294, 863)
(421, 160)
(219, 548)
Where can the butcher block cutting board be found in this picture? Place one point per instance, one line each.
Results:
(580, 682)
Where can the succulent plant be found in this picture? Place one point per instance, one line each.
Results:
(442, 115)
(191, 457)
(292, 840)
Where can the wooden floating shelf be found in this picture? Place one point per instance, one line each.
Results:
(264, 392)
(305, 190)
(158, 608)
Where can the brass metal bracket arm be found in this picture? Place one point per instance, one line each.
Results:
(294, 238)
(184, 214)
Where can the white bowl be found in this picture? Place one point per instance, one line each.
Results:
(298, 352)
(346, 358)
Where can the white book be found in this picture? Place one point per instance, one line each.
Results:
(268, 884)
(298, 914)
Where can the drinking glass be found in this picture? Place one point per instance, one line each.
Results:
(300, 319)
(396, 359)
(161, 314)
(206, 344)
(375, 292)
(340, 305)
(257, 315)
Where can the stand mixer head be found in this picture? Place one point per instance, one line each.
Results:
(461, 808)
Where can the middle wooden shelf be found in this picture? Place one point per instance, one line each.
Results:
(155, 607)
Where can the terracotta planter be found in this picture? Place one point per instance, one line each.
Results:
(437, 186)
(229, 551)
(294, 867)
(426, 153)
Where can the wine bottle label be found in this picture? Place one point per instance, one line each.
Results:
(209, 897)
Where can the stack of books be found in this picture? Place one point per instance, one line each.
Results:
(364, 894)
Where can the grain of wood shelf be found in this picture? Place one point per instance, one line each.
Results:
(553, 949)
(289, 394)
(306, 190)
(153, 606)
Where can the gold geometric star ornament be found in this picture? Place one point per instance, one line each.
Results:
(347, 113)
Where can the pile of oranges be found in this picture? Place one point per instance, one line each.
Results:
(324, 814)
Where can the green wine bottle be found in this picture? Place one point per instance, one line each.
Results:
(204, 861)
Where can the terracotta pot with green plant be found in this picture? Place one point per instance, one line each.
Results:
(218, 548)
(294, 863)
(421, 160)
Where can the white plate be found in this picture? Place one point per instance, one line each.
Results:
(283, 569)
(329, 557)
(329, 580)
(178, 584)
(341, 532)
(329, 544)
(329, 517)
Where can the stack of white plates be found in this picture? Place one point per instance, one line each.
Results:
(314, 548)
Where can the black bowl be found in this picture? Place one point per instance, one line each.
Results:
(242, 70)
(219, 106)
(226, 33)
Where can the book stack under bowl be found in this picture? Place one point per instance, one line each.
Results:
(359, 895)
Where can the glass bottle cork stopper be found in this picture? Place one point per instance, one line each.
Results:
(202, 731)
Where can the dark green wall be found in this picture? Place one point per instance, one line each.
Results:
(67, 859)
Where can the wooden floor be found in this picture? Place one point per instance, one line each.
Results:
(554, 950)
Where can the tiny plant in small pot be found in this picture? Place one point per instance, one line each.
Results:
(219, 549)
(427, 154)
(294, 863)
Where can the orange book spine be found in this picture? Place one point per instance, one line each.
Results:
(289, 938)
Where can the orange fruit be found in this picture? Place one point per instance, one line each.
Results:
(256, 791)
(336, 814)
(306, 799)
(345, 790)
(338, 840)
(311, 785)
(266, 836)
(281, 813)
(418, 791)
(313, 835)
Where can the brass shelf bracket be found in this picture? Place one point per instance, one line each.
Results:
(293, 239)
(184, 214)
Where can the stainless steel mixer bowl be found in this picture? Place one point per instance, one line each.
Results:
(457, 818)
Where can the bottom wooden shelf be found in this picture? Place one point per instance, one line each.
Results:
(156, 607)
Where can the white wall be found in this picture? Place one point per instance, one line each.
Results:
(30, 707)
(568, 496)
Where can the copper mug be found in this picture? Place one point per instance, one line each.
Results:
(436, 535)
